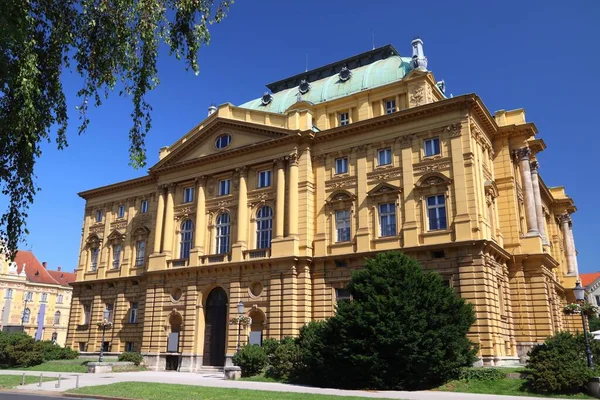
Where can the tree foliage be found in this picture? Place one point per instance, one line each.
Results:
(112, 45)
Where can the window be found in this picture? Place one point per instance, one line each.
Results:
(82, 346)
(432, 147)
(116, 256)
(223, 233)
(26, 316)
(342, 225)
(59, 299)
(187, 235)
(108, 312)
(144, 206)
(87, 312)
(341, 165)
(54, 337)
(223, 141)
(387, 219)
(133, 312)
(121, 212)
(343, 294)
(597, 300)
(28, 296)
(129, 347)
(384, 156)
(436, 212)
(344, 119)
(9, 294)
(99, 216)
(188, 195)
(140, 252)
(94, 252)
(264, 227)
(264, 179)
(44, 297)
(390, 106)
(106, 346)
(57, 318)
(224, 187)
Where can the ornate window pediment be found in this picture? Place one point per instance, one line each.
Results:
(432, 183)
(383, 190)
(116, 237)
(140, 233)
(93, 241)
(340, 199)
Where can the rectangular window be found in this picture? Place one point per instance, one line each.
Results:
(87, 312)
(390, 106)
(144, 206)
(341, 165)
(436, 212)
(432, 147)
(133, 312)
(597, 300)
(44, 298)
(99, 216)
(121, 212)
(264, 179)
(59, 299)
(342, 225)
(129, 347)
(116, 256)
(29, 296)
(224, 187)
(188, 195)
(344, 119)
(140, 253)
(384, 156)
(106, 346)
(343, 294)
(9, 294)
(82, 346)
(387, 219)
(94, 252)
(108, 312)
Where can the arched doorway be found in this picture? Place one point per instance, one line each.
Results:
(215, 328)
(257, 326)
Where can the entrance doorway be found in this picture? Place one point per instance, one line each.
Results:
(215, 326)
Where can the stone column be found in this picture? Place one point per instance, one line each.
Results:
(565, 222)
(522, 155)
(242, 214)
(200, 227)
(168, 233)
(159, 220)
(573, 250)
(280, 200)
(293, 197)
(537, 197)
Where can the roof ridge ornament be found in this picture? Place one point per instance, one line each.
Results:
(419, 61)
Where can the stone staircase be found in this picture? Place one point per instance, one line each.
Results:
(206, 369)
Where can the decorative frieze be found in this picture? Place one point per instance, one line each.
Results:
(339, 183)
(434, 165)
(386, 174)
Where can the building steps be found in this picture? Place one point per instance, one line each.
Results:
(207, 369)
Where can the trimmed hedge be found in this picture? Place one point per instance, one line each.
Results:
(251, 359)
(131, 356)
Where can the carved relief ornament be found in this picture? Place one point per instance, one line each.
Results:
(522, 154)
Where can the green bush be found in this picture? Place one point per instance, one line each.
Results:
(559, 365)
(251, 359)
(283, 363)
(269, 346)
(17, 349)
(131, 356)
(52, 351)
(481, 374)
(404, 330)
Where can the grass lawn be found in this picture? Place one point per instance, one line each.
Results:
(164, 391)
(508, 387)
(78, 365)
(10, 381)
(260, 378)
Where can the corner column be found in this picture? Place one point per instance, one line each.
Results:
(199, 227)
(280, 200)
(565, 223)
(237, 250)
(293, 196)
(168, 234)
(160, 216)
(522, 155)
(537, 197)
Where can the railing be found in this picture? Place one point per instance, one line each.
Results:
(257, 253)
(179, 262)
(216, 258)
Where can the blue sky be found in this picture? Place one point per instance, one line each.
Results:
(538, 55)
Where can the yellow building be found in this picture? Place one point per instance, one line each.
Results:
(36, 300)
(274, 202)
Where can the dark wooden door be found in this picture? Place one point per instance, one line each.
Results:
(215, 328)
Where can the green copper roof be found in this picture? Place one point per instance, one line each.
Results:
(378, 73)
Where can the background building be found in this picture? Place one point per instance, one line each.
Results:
(274, 202)
(36, 300)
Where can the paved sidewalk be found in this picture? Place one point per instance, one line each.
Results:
(68, 381)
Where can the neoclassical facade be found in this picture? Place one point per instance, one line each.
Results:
(275, 202)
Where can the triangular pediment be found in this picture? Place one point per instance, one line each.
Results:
(202, 141)
(383, 188)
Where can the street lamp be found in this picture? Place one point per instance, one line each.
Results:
(104, 324)
(579, 292)
(240, 310)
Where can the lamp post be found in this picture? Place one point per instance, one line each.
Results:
(579, 292)
(240, 309)
(105, 322)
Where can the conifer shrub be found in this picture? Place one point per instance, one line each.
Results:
(284, 361)
(17, 349)
(251, 359)
(53, 351)
(131, 356)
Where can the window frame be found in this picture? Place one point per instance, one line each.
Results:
(259, 179)
(388, 109)
(56, 321)
(99, 216)
(87, 313)
(44, 298)
(227, 185)
(264, 227)
(437, 226)
(187, 239)
(121, 211)
(59, 299)
(9, 293)
(110, 307)
(129, 347)
(339, 298)
(344, 162)
(343, 227)
(432, 142)
(116, 256)
(385, 151)
(218, 141)
(222, 239)
(140, 260)
(344, 121)
(94, 258)
(390, 220)
(144, 206)
(188, 195)
(26, 315)
(133, 312)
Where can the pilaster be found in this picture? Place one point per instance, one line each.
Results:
(237, 250)
(200, 226)
(169, 219)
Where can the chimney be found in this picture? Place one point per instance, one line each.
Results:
(419, 61)
(58, 269)
(211, 110)
(44, 264)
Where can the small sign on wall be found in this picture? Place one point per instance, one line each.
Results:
(255, 337)
(173, 342)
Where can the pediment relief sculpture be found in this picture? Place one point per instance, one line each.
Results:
(383, 189)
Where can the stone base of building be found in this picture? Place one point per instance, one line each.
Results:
(181, 363)
(522, 350)
(496, 361)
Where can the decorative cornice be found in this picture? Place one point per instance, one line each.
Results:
(339, 183)
(435, 165)
(115, 187)
(385, 174)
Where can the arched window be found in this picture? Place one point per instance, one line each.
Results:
(223, 233)
(264, 227)
(57, 318)
(9, 293)
(26, 315)
(187, 236)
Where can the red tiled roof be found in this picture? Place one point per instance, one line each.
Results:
(588, 279)
(35, 271)
(62, 277)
